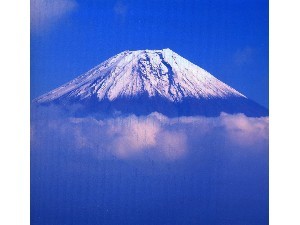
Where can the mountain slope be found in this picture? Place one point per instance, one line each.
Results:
(145, 81)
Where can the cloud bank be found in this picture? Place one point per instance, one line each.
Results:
(154, 137)
(44, 13)
(158, 170)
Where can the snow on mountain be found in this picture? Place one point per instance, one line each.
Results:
(146, 81)
(156, 73)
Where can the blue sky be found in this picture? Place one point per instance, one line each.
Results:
(227, 38)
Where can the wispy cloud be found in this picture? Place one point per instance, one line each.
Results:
(243, 56)
(120, 9)
(154, 136)
(45, 13)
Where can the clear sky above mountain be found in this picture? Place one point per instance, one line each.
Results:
(227, 38)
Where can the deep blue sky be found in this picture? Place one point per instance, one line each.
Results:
(227, 38)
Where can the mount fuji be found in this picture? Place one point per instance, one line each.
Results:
(145, 81)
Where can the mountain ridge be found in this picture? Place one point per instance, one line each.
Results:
(157, 77)
(156, 72)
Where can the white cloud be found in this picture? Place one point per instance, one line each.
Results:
(173, 144)
(243, 131)
(154, 136)
(132, 136)
(45, 13)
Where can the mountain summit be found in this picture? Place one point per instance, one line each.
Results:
(146, 81)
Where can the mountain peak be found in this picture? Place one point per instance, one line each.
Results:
(130, 74)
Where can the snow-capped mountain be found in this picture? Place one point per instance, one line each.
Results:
(155, 73)
(145, 81)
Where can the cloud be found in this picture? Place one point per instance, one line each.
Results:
(45, 13)
(244, 131)
(243, 56)
(120, 9)
(153, 137)
(132, 135)
(141, 163)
